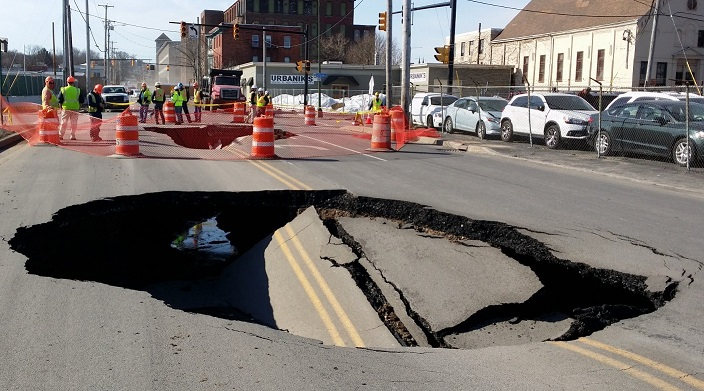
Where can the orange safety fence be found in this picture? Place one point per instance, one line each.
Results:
(217, 136)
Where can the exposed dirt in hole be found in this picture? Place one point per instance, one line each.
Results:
(125, 241)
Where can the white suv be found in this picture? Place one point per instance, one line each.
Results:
(115, 97)
(424, 105)
(553, 116)
(637, 96)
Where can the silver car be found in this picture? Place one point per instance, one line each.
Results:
(480, 115)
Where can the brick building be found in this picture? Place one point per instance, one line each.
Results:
(336, 16)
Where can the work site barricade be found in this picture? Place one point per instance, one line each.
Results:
(239, 113)
(309, 115)
(381, 133)
(48, 126)
(263, 138)
(269, 110)
(127, 135)
(399, 124)
(169, 113)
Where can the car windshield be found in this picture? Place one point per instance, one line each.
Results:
(492, 104)
(226, 80)
(567, 102)
(696, 112)
(114, 90)
(442, 100)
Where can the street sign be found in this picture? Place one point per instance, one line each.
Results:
(320, 75)
(192, 31)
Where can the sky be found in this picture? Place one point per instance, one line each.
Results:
(28, 22)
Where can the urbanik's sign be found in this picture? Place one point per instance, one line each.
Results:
(418, 77)
(291, 79)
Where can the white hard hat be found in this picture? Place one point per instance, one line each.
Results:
(254, 87)
(266, 92)
(260, 89)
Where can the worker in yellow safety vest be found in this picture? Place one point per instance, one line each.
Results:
(48, 97)
(70, 99)
(197, 100)
(261, 102)
(158, 97)
(144, 99)
(177, 98)
(375, 105)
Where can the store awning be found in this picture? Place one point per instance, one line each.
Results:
(340, 79)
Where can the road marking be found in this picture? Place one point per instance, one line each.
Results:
(274, 172)
(10, 152)
(672, 372)
(341, 147)
(626, 368)
(283, 174)
(341, 314)
(308, 288)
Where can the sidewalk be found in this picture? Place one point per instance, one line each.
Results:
(644, 170)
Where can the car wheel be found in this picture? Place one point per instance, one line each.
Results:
(680, 152)
(552, 136)
(481, 130)
(507, 131)
(603, 143)
(429, 122)
(447, 125)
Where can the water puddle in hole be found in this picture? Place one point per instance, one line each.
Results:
(207, 239)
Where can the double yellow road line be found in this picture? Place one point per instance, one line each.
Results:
(320, 286)
(629, 368)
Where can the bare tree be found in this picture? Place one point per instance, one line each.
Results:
(333, 47)
(188, 49)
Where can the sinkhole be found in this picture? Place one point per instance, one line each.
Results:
(432, 278)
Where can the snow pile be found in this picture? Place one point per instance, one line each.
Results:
(351, 104)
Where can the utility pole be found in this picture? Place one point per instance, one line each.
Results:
(305, 55)
(451, 59)
(389, 17)
(320, 70)
(264, 58)
(64, 5)
(87, 49)
(406, 54)
(652, 42)
(53, 46)
(106, 53)
(70, 39)
(479, 43)
(198, 49)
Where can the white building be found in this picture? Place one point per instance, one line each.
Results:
(611, 45)
(169, 62)
(470, 49)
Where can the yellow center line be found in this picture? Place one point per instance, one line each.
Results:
(672, 372)
(626, 368)
(341, 314)
(312, 296)
(285, 175)
(291, 182)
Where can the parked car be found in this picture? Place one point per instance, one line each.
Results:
(115, 97)
(553, 116)
(424, 105)
(652, 128)
(640, 96)
(480, 115)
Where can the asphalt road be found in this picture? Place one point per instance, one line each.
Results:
(72, 334)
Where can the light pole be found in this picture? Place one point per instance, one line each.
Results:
(320, 70)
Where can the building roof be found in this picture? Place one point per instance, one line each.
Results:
(162, 37)
(528, 23)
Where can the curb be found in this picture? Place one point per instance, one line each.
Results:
(9, 141)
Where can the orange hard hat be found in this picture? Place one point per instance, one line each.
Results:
(98, 88)
(70, 79)
(195, 84)
(48, 79)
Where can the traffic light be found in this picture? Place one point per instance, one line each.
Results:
(184, 30)
(236, 31)
(382, 21)
(168, 68)
(132, 62)
(147, 66)
(443, 54)
(307, 66)
(300, 66)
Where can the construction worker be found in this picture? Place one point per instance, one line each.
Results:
(177, 98)
(95, 109)
(261, 102)
(144, 99)
(48, 97)
(197, 99)
(158, 98)
(186, 97)
(267, 98)
(252, 104)
(70, 98)
(375, 105)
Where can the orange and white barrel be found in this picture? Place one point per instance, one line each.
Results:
(127, 135)
(263, 138)
(169, 113)
(309, 114)
(398, 124)
(381, 133)
(269, 110)
(48, 126)
(239, 113)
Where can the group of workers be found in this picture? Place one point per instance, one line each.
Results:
(69, 101)
(258, 101)
(179, 96)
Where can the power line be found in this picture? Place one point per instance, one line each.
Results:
(553, 13)
(90, 30)
(130, 24)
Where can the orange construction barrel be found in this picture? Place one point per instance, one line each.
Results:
(169, 113)
(48, 126)
(127, 135)
(239, 113)
(381, 133)
(309, 115)
(399, 124)
(269, 110)
(263, 138)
